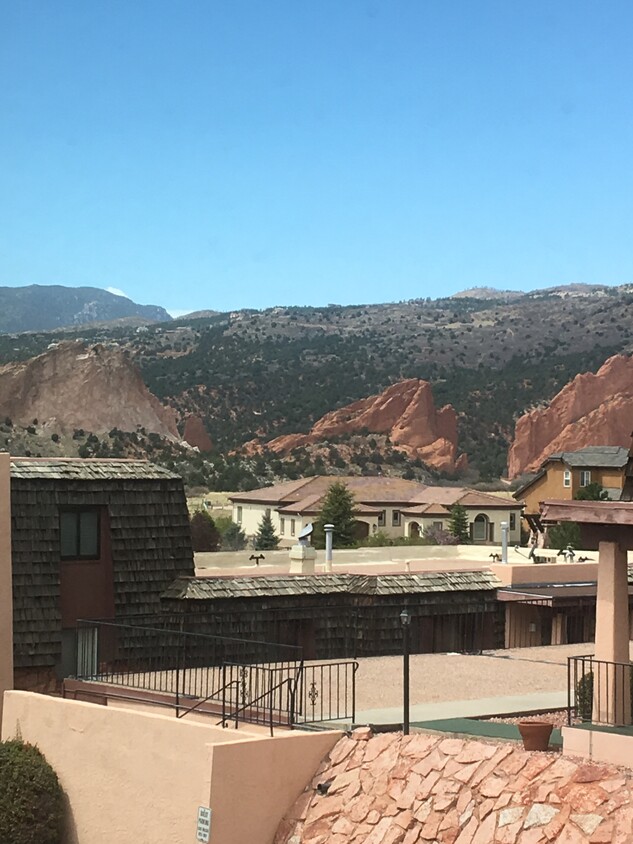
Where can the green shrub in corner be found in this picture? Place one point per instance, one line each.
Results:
(31, 798)
(584, 695)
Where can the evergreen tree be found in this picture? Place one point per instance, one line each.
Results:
(337, 510)
(204, 534)
(266, 539)
(592, 492)
(458, 523)
(233, 538)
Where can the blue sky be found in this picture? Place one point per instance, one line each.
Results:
(247, 154)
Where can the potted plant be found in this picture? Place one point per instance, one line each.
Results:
(535, 734)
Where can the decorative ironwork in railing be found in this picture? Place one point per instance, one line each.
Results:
(243, 680)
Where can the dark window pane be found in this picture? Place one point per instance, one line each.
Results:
(68, 530)
(89, 533)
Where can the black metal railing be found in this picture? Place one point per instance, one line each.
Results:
(245, 680)
(155, 659)
(326, 691)
(312, 693)
(598, 691)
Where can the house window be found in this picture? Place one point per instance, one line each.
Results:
(438, 525)
(585, 477)
(382, 518)
(79, 534)
(567, 478)
(513, 521)
(292, 527)
(267, 512)
(395, 518)
(239, 515)
(282, 526)
(480, 528)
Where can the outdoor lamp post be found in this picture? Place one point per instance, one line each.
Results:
(405, 620)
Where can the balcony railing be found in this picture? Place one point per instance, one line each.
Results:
(242, 680)
(598, 691)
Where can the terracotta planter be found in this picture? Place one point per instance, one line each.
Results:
(535, 734)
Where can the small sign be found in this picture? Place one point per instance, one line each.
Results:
(204, 824)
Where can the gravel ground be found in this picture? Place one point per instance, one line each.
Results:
(558, 718)
(440, 677)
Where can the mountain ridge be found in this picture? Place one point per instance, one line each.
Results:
(39, 307)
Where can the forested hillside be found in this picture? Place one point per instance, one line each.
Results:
(264, 373)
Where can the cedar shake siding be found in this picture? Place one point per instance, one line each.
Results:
(143, 545)
(346, 615)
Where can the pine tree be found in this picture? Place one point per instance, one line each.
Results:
(337, 510)
(204, 534)
(233, 538)
(458, 523)
(266, 539)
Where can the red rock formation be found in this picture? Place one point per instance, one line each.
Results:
(196, 434)
(405, 412)
(593, 409)
(395, 789)
(73, 386)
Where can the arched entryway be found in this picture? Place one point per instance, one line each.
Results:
(414, 530)
(481, 528)
(361, 531)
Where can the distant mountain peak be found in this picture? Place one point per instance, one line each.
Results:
(39, 307)
(488, 293)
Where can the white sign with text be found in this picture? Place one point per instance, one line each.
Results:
(204, 824)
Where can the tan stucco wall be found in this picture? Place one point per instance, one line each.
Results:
(6, 586)
(524, 574)
(599, 746)
(254, 784)
(494, 516)
(551, 485)
(131, 776)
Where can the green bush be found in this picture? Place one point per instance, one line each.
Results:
(31, 798)
(584, 695)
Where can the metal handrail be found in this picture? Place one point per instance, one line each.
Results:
(188, 633)
(249, 705)
(214, 693)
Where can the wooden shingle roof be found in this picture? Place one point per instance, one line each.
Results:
(44, 468)
(214, 588)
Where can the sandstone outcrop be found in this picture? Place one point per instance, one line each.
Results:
(395, 789)
(593, 409)
(74, 386)
(196, 434)
(405, 412)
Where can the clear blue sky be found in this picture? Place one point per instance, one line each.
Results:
(207, 154)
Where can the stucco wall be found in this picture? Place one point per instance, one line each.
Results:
(551, 485)
(495, 517)
(131, 776)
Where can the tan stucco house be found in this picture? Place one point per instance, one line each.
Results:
(563, 474)
(392, 505)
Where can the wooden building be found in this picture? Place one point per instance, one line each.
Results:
(345, 615)
(90, 539)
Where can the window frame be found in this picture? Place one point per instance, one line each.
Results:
(238, 515)
(282, 525)
(78, 512)
(512, 521)
(382, 518)
(567, 479)
(396, 518)
(292, 527)
(585, 478)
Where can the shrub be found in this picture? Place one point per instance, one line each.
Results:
(31, 798)
(584, 695)
(204, 534)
